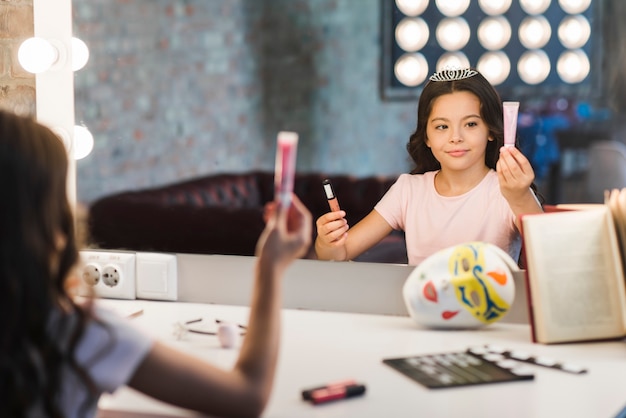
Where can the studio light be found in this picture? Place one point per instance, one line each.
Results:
(535, 32)
(452, 8)
(495, 66)
(412, 34)
(453, 33)
(494, 33)
(494, 7)
(411, 69)
(574, 31)
(535, 7)
(452, 60)
(516, 44)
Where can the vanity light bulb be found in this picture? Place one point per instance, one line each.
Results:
(37, 55)
(83, 142)
(80, 54)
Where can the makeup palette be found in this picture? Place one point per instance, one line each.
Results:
(454, 369)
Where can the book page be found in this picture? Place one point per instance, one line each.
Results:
(575, 273)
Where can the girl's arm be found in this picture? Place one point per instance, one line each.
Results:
(516, 175)
(335, 242)
(183, 380)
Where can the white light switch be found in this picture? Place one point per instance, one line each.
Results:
(157, 276)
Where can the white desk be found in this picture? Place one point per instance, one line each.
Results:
(320, 347)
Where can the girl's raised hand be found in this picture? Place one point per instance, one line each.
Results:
(332, 234)
(515, 173)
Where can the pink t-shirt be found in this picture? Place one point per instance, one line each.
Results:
(432, 222)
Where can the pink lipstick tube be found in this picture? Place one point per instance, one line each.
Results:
(510, 110)
(285, 167)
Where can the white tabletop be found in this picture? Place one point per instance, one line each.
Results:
(320, 347)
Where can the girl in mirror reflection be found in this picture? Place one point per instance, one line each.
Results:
(59, 352)
(465, 185)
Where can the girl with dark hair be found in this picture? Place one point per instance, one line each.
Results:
(58, 354)
(465, 186)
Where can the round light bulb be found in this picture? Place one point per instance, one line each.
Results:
(412, 7)
(533, 67)
(452, 60)
(453, 33)
(574, 6)
(37, 55)
(80, 54)
(452, 8)
(83, 142)
(411, 69)
(534, 7)
(412, 34)
(494, 7)
(534, 32)
(574, 31)
(494, 33)
(495, 66)
(573, 66)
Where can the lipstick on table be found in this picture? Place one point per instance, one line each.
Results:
(510, 110)
(330, 195)
(285, 167)
(335, 393)
(306, 394)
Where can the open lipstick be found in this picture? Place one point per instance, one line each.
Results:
(333, 203)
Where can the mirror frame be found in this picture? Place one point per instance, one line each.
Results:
(55, 88)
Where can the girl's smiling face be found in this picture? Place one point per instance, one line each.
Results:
(456, 133)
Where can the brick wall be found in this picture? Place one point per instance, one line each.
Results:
(17, 87)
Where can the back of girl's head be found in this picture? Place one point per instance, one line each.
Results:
(37, 244)
(450, 82)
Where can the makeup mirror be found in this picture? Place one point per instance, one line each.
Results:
(179, 89)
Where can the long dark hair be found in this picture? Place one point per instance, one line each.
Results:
(38, 250)
(490, 111)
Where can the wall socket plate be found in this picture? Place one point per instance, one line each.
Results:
(157, 276)
(111, 274)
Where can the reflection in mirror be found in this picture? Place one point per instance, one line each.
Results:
(181, 90)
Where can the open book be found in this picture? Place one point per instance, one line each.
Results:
(574, 268)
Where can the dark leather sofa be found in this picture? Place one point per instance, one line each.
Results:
(223, 214)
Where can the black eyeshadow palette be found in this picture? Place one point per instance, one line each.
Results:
(471, 367)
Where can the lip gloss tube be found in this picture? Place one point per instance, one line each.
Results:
(306, 394)
(285, 167)
(333, 203)
(510, 110)
(333, 394)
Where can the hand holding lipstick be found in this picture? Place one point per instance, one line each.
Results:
(516, 175)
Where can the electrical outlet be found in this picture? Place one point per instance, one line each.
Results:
(91, 274)
(157, 276)
(111, 274)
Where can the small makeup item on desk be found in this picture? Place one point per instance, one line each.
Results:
(333, 391)
(453, 369)
(285, 167)
(510, 110)
(333, 203)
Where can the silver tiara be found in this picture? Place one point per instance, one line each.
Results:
(452, 74)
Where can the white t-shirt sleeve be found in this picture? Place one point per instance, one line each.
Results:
(111, 351)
